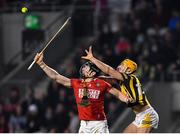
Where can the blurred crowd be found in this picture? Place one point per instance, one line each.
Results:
(39, 111)
(60, 2)
(148, 34)
(34, 5)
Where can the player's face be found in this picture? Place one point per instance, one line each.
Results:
(123, 69)
(87, 72)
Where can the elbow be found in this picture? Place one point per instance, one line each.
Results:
(66, 85)
(54, 78)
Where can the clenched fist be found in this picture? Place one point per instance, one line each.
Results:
(38, 58)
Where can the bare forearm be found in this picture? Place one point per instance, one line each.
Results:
(106, 69)
(122, 97)
(119, 95)
(49, 71)
(54, 75)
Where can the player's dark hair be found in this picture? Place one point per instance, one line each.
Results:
(92, 66)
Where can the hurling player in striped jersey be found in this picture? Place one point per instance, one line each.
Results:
(146, 117)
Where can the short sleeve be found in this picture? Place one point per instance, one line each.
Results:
(74, 82)
(108, 86)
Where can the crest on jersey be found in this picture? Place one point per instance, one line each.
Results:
(97, 84)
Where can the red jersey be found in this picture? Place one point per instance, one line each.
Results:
(96, 92)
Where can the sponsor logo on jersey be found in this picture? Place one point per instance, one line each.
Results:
(92, 93)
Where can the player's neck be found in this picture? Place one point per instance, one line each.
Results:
(88, 79)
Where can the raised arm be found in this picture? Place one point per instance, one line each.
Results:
(51, 72)
(104, 67)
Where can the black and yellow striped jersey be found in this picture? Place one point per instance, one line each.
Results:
(132, 87)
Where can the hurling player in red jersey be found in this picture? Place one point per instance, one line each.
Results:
(89, 93)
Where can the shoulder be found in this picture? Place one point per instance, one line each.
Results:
(102, 82)
(128, 77)
(134, 77)
(75, 81)
(99, 80)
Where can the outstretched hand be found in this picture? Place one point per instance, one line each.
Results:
(89, 55)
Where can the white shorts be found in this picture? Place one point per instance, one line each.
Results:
(93, 127)
(147, 118)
